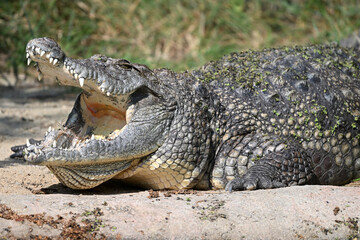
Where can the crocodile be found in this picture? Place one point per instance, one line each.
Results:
(251, 120)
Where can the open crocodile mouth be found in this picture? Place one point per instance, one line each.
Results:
(116, 121)
(109, 128)
(100, 111)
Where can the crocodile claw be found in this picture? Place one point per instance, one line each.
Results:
(252, 183)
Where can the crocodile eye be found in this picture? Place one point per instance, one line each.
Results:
(124, 64)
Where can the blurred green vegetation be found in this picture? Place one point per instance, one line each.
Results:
(170, 33)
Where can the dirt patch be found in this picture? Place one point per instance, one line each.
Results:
(70, 228)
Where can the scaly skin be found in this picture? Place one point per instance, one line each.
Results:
(251, 120)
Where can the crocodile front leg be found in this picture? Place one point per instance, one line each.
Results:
(289, 167)
(293, 166)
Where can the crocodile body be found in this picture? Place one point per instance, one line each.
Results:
(256, 119)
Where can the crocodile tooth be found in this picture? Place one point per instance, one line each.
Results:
(55, 61)
(42, 53)
(47, 55)
(51, 60)
(49, 129)
(54, 144)
(40, 152)
(28, 61)
(92, 137)
(26, 151)
(28, 143)
(72, 71)
(108, 93)
(37, 151)
(33, 48)
(81, 81)
(27, 55)
(37, 50)
(76, 76)
(40, 76)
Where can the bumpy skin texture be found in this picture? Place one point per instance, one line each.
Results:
(267, 119)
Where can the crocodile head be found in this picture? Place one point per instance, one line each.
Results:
(120, 117)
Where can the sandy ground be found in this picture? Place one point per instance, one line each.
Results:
(33, 205)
